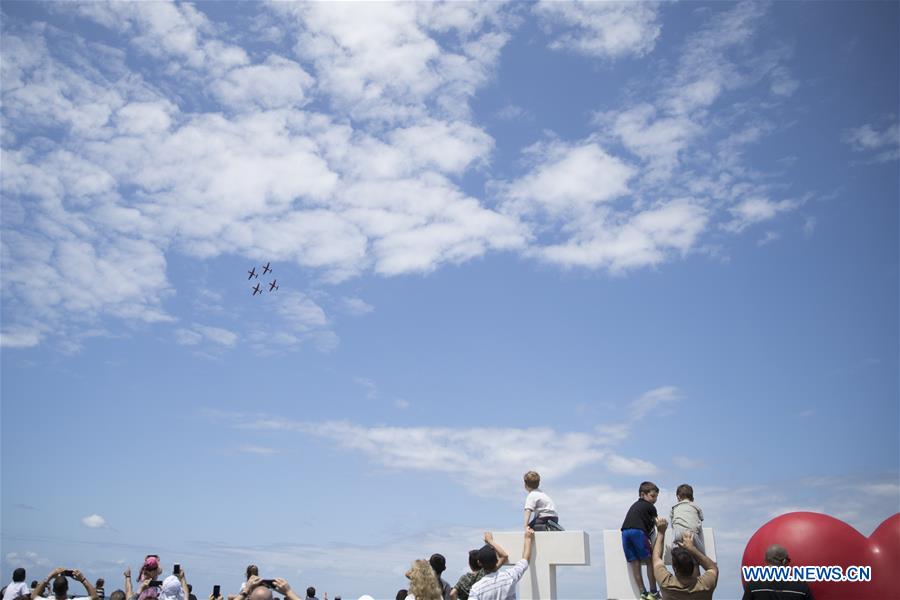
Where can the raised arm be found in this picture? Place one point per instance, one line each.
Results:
(79, 576)
(39, 590)
(182, 578)
(129, 590)
(527, 517)
(252, 582)
(529, 542)
(502, 555)
(661, 525)
(285, 588)
(706, 562)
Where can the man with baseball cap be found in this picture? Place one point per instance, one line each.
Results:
(777, 556)
(497, 584)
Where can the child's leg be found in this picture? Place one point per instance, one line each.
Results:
(636, 575)
(632, 555)
(651, 579)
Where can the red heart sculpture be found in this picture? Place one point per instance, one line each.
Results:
(819, 540)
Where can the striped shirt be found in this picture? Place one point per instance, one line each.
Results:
(499, 585)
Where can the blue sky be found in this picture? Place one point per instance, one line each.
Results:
(610, 242)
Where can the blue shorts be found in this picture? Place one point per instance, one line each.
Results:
(636, 544)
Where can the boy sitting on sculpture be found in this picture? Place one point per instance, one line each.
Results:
(540, 511)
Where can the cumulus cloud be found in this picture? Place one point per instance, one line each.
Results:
(94, 521)
(601, 29)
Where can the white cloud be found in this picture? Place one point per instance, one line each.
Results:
(257, 450)
(756, 210)
(684, 462)
(645, 238)
(602, 29)
(197, 334)
(868, 139)
(630, 466)
(277, 83)
(380, 61)
(20, 338)
(357, 306)
(654, 401)
(94, 521)
(369, 386)
(26, 559)
(567, 180)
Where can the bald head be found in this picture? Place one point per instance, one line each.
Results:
(261, 593)
(777, 555)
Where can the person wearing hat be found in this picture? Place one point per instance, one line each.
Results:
(777, 556)
(497, 584)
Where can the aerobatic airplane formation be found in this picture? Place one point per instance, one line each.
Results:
(252, 274)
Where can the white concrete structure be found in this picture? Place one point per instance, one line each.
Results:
(551, 548)
(619, 584)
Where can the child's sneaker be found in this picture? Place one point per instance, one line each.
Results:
(647, 596)
(655, 594)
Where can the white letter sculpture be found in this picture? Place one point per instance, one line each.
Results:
(551, 548)
(619, 583)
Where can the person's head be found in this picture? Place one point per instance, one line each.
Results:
(682, 562)
(100, 583)
(171, 589)
(423, 584)
(777, 555)
(532, 480)
(117, 595)
(684, 492)
(648, 491)
(473, 560)
(438, 563)
(252, 570)
(19, 575)
(310, 592)
(151, 567)
(34, 584)
(487, 558)
(60, 586)
(261, 592)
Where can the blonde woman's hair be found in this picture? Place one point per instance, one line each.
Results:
(423, 583)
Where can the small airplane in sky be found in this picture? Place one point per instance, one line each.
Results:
(256, 290)
(252, 273)
(266, 268)
(273, 285)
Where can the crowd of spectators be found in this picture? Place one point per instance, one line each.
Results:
(484, 580)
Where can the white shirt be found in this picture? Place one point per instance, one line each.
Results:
(499, 585)
(16, 589)
(540, 504)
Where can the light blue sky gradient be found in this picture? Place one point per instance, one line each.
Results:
(610, 242)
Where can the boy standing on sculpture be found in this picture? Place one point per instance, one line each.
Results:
(636, 530)
(540, 511)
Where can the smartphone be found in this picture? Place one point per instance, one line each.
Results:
(177, 569)
(69, 573)
(216, 591)
(269, 583)
(156, 583)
